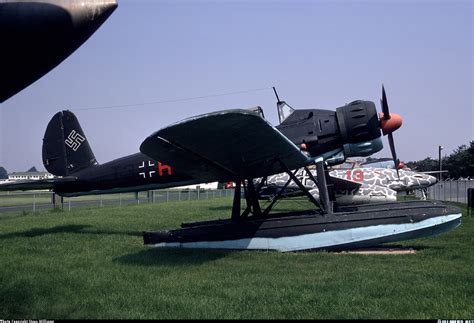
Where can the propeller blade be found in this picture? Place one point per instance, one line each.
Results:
(386, 113)
(394, 153)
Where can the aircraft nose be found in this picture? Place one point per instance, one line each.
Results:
(39, 34)
(432, 180)
(90, 13)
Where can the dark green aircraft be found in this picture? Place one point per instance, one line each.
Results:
(239, 146)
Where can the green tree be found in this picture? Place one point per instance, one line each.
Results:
(425, 165)
(3, 173)
(461, 162)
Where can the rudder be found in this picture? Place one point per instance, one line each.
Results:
(65, 147)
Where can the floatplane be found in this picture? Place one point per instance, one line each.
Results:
(240, 145)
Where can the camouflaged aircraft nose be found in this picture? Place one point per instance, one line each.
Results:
(431, 179)
(417, 180)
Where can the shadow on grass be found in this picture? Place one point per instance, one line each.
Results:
(72, 228)
(35, 232)
(171, 257)
(15, 300)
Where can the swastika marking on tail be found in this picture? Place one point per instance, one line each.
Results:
(74, 140)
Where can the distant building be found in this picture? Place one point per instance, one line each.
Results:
(20, 176)
(202, 186)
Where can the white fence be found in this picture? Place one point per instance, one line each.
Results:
(455, 191)
(33, 201)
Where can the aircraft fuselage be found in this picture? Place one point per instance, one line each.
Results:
(132, 173)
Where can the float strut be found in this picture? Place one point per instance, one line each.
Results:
(326, 203)
(236, 203)
(300, 185)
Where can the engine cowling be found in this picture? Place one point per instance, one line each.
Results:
(353, 129)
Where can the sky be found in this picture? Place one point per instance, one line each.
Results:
(153, 63)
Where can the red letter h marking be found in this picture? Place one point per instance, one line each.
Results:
(162, 168)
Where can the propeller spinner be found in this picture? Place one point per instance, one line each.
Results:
(389, 122)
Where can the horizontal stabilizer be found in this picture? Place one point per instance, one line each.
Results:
(223, 146)
(434, 172)
(29, 185)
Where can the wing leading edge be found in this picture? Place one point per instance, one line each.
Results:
(223, 146)
(343, 184)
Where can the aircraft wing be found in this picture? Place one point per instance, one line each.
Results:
(343, 184)
(224, 146)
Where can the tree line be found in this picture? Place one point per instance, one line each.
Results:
(459, 164)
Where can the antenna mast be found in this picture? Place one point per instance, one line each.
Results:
(276, 94)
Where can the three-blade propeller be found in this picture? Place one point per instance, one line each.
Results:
(389, 122)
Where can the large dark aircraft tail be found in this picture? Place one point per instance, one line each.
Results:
(65, 147)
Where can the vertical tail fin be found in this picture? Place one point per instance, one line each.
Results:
(65, 147)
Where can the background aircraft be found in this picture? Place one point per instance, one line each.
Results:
(37, 35)
(382, 163)
(353, 186)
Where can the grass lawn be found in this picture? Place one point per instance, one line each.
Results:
(90, 263)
